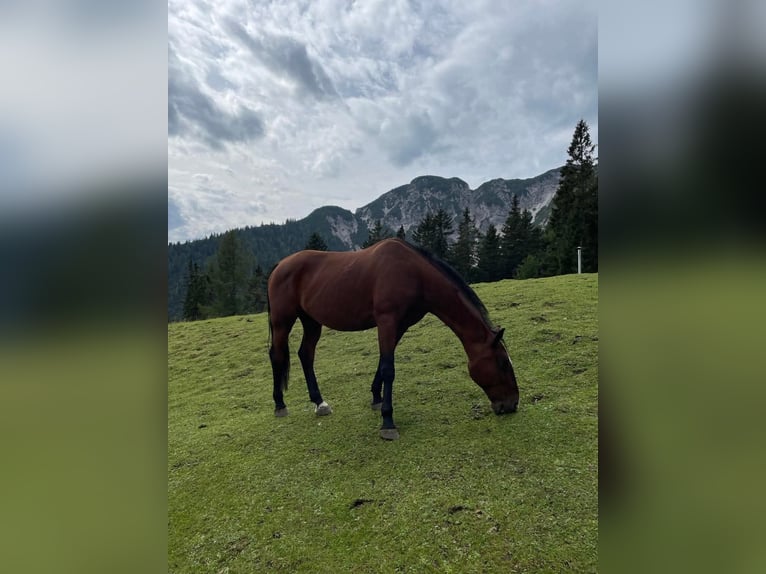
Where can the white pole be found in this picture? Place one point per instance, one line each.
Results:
(579, 260)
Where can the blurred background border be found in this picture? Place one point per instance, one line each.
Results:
(83, 183)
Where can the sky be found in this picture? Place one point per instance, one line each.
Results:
(277, 108)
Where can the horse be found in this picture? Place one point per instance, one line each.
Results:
(390, 285)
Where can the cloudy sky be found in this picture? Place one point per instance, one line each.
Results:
(277, 108)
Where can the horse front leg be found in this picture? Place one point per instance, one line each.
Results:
(377, 382)
(311, 333)
(387, 339)
(388, 429)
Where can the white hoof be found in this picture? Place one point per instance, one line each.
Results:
(322, 409)
(281, 412)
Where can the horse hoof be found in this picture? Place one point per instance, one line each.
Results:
(323, 409)
(389, 434)
(281, 412)
(376, 406)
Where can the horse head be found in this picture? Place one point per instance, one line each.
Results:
(490, 367)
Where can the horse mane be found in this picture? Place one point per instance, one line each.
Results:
(453, 277)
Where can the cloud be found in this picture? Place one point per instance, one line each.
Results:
(407, 138)
(192, 112)
(175, 219)
(285, 56)
(336, 99)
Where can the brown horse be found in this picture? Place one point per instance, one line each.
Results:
(391, 285)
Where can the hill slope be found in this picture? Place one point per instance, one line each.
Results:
(463, 490)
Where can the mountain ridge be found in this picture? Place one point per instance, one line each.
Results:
(344, 230)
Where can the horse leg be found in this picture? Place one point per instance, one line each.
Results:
(387, 339)
(311, 333)
(377, 382)
(377, 390)
(279, 354)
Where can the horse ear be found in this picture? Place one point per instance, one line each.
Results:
(498, 337)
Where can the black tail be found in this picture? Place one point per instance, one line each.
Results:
(281, 372)
(268, 314)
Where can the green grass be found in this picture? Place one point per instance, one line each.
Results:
(462, 490)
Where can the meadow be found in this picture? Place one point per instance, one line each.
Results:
(462, 490)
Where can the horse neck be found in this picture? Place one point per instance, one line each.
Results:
(446, 301)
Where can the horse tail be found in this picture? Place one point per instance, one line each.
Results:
(268, 314)
(284, 376)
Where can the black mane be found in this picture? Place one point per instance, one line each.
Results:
(454, 277)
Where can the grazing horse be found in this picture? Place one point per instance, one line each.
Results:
(390, 285)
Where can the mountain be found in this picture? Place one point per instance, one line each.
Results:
(407, 205)
(343, 230)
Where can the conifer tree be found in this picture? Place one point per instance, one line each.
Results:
(433, 233)
(464, 251)
(229, 274)
(378, 232)
(529, 268)
(424, 232)
(316, 242)
(490, 261)
(511, 244)
(574, 213)
(197, 295)
(520, 240)
(401, 234)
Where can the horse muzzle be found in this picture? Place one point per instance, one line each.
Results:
(502, 407)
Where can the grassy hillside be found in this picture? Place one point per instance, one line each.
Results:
(463, 490)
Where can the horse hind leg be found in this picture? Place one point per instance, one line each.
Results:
(377, 390)
(279, 355)
(311, 333)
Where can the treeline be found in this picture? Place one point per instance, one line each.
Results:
(519, 249)
(232, 282)
(266, 244)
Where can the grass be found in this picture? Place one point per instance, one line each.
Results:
(463, 490)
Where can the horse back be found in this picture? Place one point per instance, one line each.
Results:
(347, 290)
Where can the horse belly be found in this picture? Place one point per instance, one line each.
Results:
(340, 313)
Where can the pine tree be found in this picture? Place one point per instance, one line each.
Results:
(490, 261)
(512, 243)
(533, 245)
(433, 232)
(589, 241)
(574, 213)
(529, 268)
(424, 232)
(377, 233)
(401, 234)
(464, 251)
(520, 240)
(197, 295)
(229, 274)
(316, 242)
